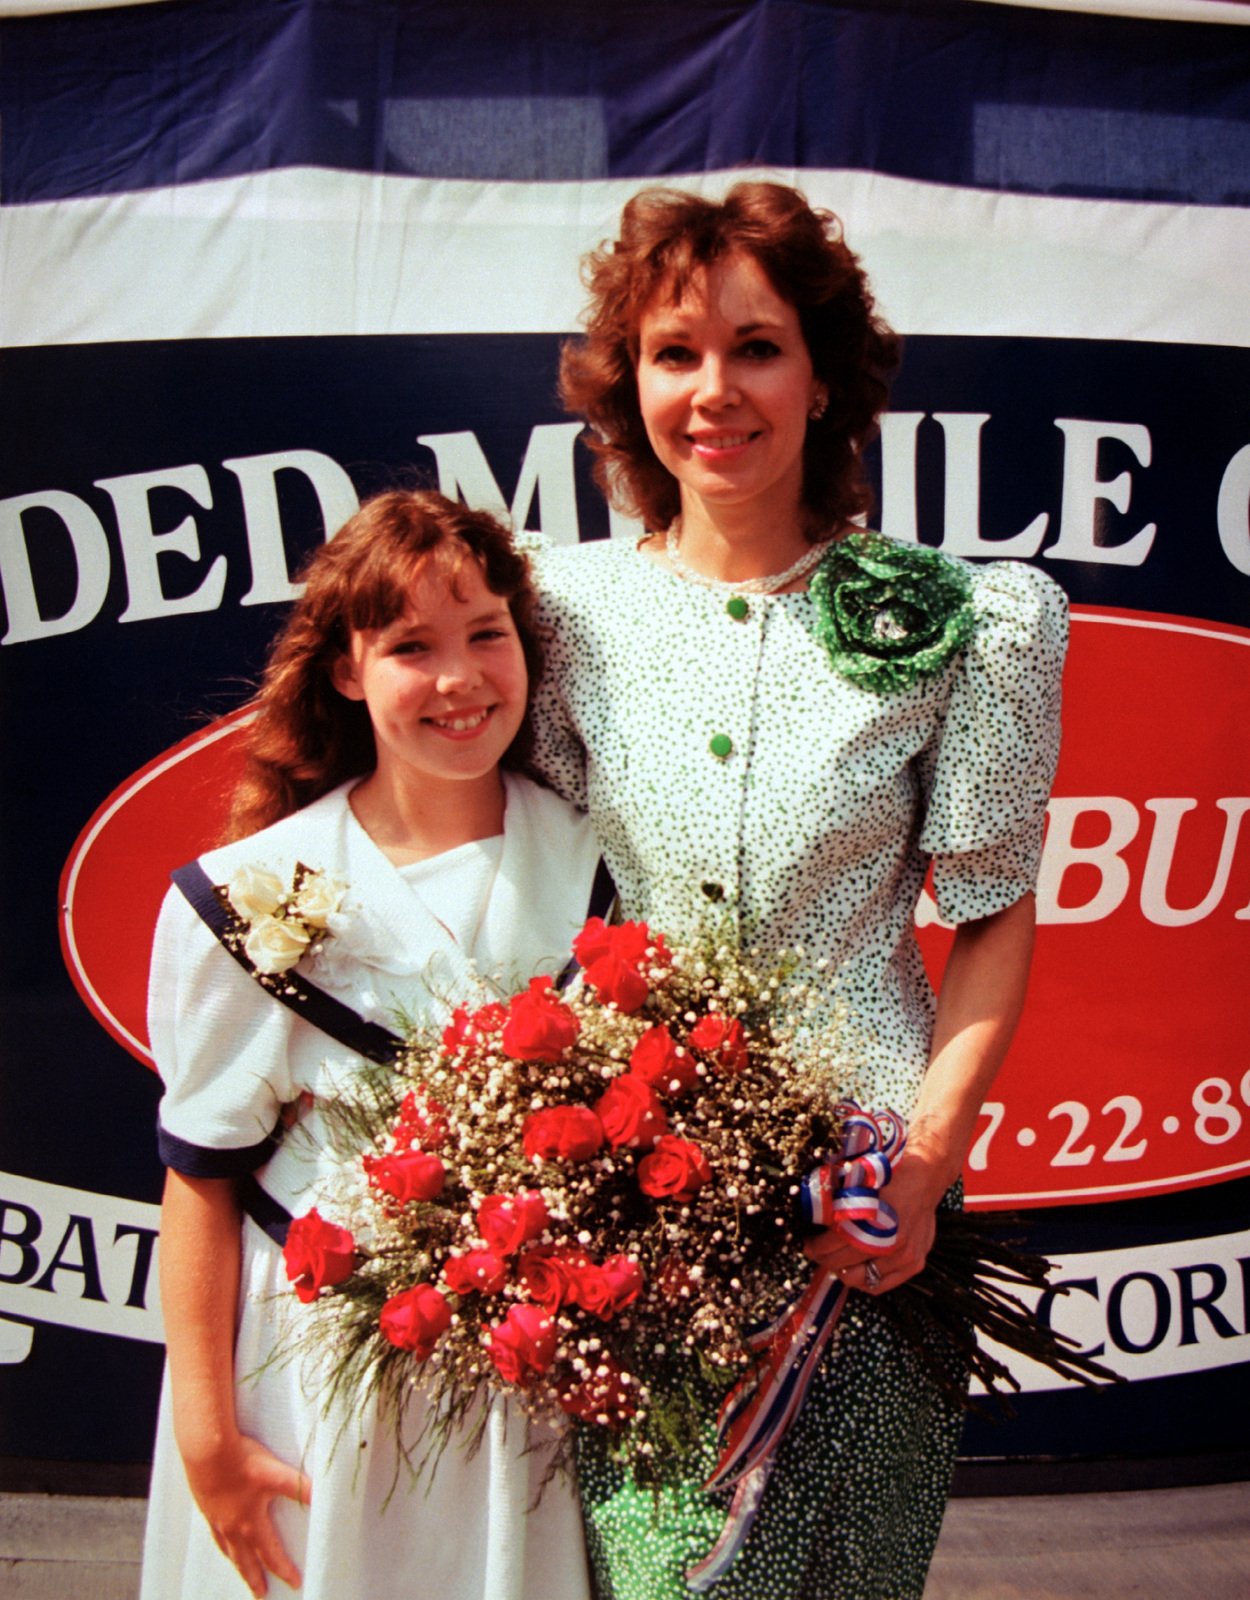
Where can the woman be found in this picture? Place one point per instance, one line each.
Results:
(778, 721)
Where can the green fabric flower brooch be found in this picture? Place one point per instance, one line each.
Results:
(890, 613)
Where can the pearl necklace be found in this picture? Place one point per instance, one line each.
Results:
(768, 585)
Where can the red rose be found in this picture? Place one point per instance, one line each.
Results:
(659, 1060)
(569, 1133)
(624, 1274)
(724, 1040)
(523, 1344)
(470, 1032)
(408, 1175)
(421, 1121)
(604, 1396)
(630, 1113)
(317, 1255)
(506, 1222)
(476, 1271)
(613, 959)
(548, 1276)
(598, 939)
(540, 1027)
(604, 1289)
(617, 983)
(675, 1170)
(591, 1289)
(416, 1319)
(632, 942)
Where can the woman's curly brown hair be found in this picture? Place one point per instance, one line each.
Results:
(306, 737)
(669, 236)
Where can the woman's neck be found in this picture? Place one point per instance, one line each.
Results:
(410, 824)
(735, 543)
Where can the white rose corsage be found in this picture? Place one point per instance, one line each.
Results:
(277, 924)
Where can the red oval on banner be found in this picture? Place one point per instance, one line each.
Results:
(117, 873)
(1129, 1075)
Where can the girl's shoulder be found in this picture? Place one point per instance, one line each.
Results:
(546, 819)
(311, 835)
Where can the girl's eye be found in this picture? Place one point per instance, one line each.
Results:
(489, 635)
(408, 647)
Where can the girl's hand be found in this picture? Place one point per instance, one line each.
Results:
(234, 1487)
(914, 1191)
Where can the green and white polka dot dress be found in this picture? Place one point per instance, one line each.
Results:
(733, 774)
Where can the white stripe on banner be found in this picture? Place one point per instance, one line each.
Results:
(77, 1259)
(305, 250)
(1222, 11)
(1149, 1312)
(1225, 11)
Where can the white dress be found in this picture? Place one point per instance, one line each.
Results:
(232, 1057)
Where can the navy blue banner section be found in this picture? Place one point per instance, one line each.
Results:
(1186, 1414)
(1036, 102)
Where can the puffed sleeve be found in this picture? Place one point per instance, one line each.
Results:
(221, 1048)
(559, 754)
(989, 771)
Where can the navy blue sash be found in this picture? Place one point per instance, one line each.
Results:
(339, 1021)
(368, 1039)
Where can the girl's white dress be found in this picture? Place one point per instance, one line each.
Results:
(232, 1057)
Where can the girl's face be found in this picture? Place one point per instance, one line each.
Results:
(445, 683)
(725, 384)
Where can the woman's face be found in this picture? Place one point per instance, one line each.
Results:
(725, 385)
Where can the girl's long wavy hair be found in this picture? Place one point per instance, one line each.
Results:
(306, 738)
(667, 238)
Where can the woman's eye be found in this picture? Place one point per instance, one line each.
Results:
(760, 350)
(671, 355)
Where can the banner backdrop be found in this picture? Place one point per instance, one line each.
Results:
(259, 261)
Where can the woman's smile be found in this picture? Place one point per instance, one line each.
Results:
(720, 446)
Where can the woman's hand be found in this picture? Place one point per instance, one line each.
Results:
(914, 1190)
(234, 1487)
(978, 1006)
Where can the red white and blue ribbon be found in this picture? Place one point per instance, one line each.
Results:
(842, 1194)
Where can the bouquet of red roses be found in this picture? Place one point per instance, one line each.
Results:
(595, 1202)
(581, 1199)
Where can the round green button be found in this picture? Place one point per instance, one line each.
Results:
(737, 608)
(721, 745)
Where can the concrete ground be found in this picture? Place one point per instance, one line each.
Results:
(1174, 1544)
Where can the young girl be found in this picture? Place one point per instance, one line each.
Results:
(384, 757)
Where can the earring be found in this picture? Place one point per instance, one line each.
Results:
(818, 407)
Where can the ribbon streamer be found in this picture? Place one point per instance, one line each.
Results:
(758, 1411)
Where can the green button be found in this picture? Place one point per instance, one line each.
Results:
(721, 745)
(737, 608)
